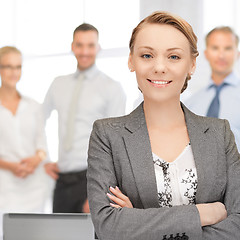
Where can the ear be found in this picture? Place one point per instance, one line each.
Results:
(98, 48)
(193, 67)
(130, 63)
(72, 46)
(206, 54)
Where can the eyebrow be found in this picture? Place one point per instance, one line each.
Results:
(169, 49)
(146, 47)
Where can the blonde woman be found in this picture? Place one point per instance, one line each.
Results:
(23, 185)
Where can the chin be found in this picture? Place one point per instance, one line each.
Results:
(84, 66)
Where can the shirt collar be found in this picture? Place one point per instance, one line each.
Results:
(23, 103)
(232, 80)
(89, 73)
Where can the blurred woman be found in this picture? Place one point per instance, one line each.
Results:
(23, 185)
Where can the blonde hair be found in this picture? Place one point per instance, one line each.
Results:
(180, 24)
(8, 49)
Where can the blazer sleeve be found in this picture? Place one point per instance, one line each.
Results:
(229, 229)
(129, 223)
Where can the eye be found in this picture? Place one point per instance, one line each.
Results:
(214, 48)
(146, 56)
(174, 57)
(92, 45)
(78, 45)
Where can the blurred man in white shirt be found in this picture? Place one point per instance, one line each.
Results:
(96, 96)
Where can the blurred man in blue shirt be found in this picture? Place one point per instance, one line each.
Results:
(221, 97)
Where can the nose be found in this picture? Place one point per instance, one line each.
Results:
(221, 53)
(160, 65)
(85, 50)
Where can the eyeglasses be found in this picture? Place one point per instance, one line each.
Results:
(10, 67)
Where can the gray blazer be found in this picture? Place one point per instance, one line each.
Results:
(120, 155)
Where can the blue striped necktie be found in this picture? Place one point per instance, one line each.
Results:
(213, 110)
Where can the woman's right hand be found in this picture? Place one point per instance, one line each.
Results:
(211, 213)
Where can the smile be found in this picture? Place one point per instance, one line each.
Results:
(159, 82)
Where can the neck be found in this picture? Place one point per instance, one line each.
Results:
(7, 93)
(218, 78)
(162, 115)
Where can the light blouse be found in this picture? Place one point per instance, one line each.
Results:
(21, 136)
(177, 180)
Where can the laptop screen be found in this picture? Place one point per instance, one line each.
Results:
(21, 226)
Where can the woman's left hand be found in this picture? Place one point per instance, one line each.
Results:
(119, 198)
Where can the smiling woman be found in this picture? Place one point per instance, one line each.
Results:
(10, 66)
(22, 142)
(156, 172)
(164, 66)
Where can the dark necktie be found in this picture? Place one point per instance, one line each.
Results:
(213, 110)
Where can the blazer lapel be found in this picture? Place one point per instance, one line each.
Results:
(140, 156)
(204, 149)
(139, 151)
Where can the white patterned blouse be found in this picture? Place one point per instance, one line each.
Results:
(177, 180)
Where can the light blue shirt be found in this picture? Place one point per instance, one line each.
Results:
(229, 99)
(100, 97)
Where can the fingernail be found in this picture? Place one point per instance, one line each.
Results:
(108, 194)
(117, 188)
(112, 188)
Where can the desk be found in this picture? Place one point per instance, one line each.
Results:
(1, 224)
(57, 226)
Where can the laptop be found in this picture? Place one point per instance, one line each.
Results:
(56, 226)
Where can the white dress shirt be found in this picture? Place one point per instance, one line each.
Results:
(21, 136)
(177, 180)
(100, 97)
(229, 99)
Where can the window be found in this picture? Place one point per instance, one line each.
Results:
(221, 13)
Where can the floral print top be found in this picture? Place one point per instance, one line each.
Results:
(177, 180)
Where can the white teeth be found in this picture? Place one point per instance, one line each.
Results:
(160, 82)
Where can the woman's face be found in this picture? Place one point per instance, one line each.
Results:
(162, 60)
(10, 69)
